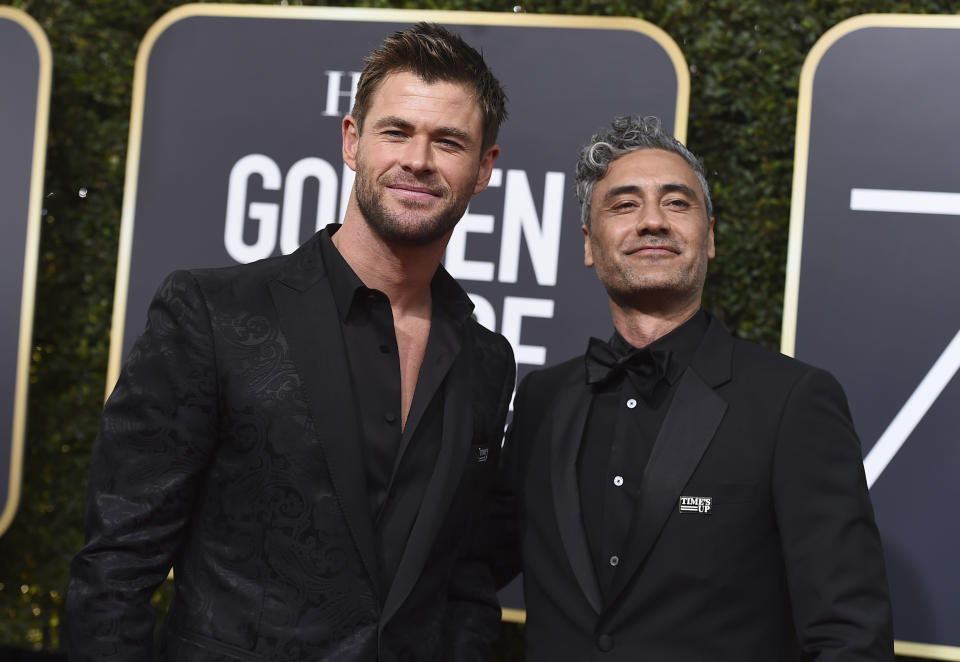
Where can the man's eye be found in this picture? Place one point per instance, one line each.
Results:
(678, 203)
(394, 133)
(624, 206)
(452, 144)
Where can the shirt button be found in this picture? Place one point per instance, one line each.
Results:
(384, 349)
(390, 416)
(605, 643)
(614, 561)
(631, 403)
(618, 480)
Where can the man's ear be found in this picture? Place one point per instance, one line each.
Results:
(711, 249)
(486, 167)
(587, 250)
(350, 131)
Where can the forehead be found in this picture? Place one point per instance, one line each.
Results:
(406, 92)
(648, 167)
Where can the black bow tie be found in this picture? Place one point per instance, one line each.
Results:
(605, 363)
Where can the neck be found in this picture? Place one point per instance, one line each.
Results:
(402, 272)
(643, 325)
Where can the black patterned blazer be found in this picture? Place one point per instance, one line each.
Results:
(786, 565)
(229, 451)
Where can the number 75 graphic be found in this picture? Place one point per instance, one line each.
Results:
(946, 366)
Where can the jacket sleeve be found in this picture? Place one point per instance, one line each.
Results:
(472, 617)
(831, 546)
(157, 435)
(504, 511)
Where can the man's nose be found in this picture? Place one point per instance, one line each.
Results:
(418, 155)
(652, 219)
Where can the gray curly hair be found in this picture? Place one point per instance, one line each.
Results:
(628, 134)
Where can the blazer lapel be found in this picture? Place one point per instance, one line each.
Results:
(689, 427)
(571, 416)
(447, 473)
(308, 318)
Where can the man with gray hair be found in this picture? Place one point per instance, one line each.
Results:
(676, 494)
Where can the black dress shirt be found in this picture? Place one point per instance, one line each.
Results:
(398, 462)
(618, 437)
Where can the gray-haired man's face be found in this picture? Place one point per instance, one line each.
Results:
(649, 231)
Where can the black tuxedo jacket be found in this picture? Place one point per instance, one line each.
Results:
(787, 565)
(230, 451)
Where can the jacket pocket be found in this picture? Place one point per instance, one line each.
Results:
(193, 646)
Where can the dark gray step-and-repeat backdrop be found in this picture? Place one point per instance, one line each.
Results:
(25, 64)
(872, 287)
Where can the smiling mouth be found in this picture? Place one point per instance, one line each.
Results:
(414, 192)
(653, 250)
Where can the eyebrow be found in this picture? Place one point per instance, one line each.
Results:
(663, 188)
(400, 123)
(678, 188)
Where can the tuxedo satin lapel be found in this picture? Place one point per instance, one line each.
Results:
(451, 463)
(308, 317)
(714, 358)
(689, 426)
(571, 411)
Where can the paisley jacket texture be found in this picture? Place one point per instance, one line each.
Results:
(229, 451)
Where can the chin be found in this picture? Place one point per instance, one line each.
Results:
(414, 235)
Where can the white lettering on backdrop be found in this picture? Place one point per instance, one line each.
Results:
(255, 227)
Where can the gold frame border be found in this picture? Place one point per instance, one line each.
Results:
(30, 256)
(336, 14)
(513, 615)
(926, 651)
(791, 293)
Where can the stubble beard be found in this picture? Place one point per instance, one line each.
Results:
(410, 226)
(632, 286)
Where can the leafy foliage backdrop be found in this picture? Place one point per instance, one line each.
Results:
(745, 58)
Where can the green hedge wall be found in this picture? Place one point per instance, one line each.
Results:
(745, 58)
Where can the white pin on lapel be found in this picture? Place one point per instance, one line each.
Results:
(695, 504)
(481, 454)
